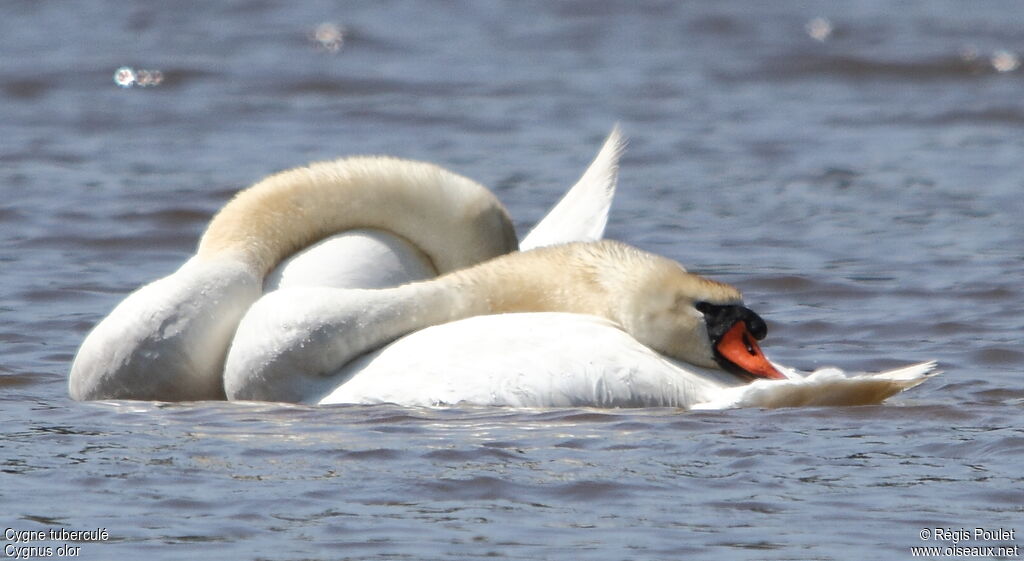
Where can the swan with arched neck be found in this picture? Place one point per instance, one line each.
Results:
(169, 339)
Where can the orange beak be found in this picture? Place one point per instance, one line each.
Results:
(740, 348)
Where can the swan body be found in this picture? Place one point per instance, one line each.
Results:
(573, 360)
(394, 220)
(524, 360)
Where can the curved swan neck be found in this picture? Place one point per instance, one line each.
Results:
(454, 220)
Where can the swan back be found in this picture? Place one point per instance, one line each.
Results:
(354, 259)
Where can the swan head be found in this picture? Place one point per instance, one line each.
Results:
(696, 320)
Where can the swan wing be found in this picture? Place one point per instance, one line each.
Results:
(582, 214)
(826, 386)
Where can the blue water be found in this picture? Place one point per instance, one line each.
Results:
(863, 190)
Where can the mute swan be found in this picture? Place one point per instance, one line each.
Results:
(314, 242)
(639, 331)
(401, 220)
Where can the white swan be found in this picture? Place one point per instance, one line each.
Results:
(401, 220)
(606, 325)
(640, 331)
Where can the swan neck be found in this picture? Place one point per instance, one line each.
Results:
(456, 222)
(441, 300)
(533, 281)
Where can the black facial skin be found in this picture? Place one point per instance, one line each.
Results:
(719, 319)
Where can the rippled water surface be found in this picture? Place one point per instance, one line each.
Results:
(855, 168)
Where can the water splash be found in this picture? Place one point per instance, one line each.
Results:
(819, 29)
(1005, 61)
(124, 77)
(127, 77)
(329, 37)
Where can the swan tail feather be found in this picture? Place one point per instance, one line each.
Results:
(582, 214)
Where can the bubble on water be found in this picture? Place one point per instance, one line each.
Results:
(329, 36)
(819, 29)
(1005, 61)
(124, 77)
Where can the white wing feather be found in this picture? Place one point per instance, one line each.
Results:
(582, 214)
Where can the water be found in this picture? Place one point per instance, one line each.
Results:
(860, 181)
